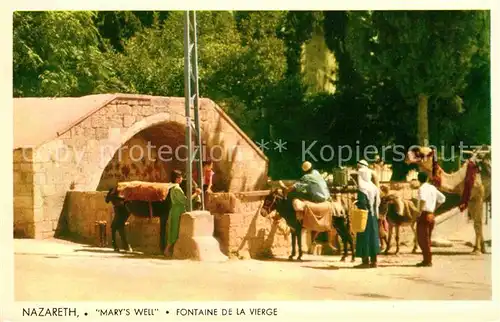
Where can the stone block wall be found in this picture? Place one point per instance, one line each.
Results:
(24, 223)
(81, 158)
(243, 166)
(87, 207)
(242, 231)
(54, 175)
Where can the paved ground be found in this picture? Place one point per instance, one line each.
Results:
(53, 270)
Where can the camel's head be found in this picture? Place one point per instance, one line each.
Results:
(421, 156)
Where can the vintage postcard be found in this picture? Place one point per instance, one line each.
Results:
(266, 164)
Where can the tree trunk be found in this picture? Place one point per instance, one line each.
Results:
(423, 121)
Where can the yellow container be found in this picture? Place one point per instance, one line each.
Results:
(359, 217)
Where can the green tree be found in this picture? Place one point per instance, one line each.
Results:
(56, 53)
(295, 29)
(424, 53)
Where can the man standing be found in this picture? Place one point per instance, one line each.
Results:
(311, 187)
(429, 200)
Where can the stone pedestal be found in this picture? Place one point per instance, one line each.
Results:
(196, 239)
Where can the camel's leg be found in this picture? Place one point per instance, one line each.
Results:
(481, 238)
(294, 236)
(397, 239)
(299, 241)
(486, 213)
(476, 211)
(415, 243)
(389, 238)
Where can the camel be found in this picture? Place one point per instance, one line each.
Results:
(454, 183)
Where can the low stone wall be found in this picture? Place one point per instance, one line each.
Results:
(242, 231)
(239, 227)
(84, 208)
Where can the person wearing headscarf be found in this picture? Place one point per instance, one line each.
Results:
(368, 242)
(178, 203)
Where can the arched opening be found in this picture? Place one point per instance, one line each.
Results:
(150, 155)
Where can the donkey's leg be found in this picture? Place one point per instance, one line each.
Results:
(353, 249)
(312, 245)
(332, 234)
(115, 225)
(397, 239)
(389, 238)
(294, 236)
(299, 241)
(343, 231)
(346, 245)
(123, 233)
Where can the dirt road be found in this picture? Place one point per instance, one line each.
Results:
(58, 270)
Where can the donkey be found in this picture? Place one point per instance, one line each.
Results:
(123, 209)
(399, 212)
(276, 200)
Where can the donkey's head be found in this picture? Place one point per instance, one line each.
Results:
(271, 202)
(111, 196)
(385, 202)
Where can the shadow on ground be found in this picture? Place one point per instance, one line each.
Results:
(286, 260)
(122, 253)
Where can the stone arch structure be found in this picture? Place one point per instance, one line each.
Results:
(148, 155)
(67, 144)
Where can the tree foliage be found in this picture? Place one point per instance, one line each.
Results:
(250, 63)
(57, 54)
(426, 54)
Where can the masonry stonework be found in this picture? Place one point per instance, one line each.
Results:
(82, 156)
(242, 231)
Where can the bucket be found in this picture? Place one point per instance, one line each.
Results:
(359, 217)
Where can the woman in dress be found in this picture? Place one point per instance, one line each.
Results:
(178, 206)
(368, 242)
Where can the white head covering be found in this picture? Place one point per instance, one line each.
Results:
(367, 187)
(363, 163)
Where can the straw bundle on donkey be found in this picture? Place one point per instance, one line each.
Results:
(141, 199)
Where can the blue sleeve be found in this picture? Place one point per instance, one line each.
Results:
(302, 184)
